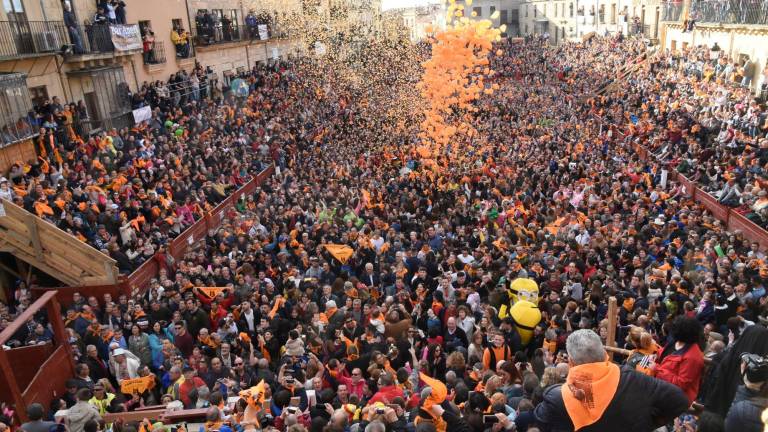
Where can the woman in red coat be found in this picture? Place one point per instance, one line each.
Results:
(681, 362)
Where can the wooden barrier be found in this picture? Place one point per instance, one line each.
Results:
(22, 151)
(709, 202)
(48, 374)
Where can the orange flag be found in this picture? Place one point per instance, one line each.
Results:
(211, 292)
(341, 252)
(276, 307)
(136, 385)
(439, 391)
(254, 395)
(42, 208)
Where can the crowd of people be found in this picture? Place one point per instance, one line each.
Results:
(363, 288)
(716, 131)
(128, 192)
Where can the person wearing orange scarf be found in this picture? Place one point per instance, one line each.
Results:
(598, 395)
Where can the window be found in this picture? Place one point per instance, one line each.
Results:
(535, 12)
(176, 23)
(144, 26)
(478, 11)
(38, 95)
(15, 104)
(602, 14)
(526, 14)
(503, 19)
(493, 9)
(15, 10)
(554, 13)
(613, 13)
(570, 9)
(526, 29)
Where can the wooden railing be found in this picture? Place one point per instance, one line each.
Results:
(137, 281)
(35, 373)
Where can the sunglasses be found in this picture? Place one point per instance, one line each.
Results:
(239, 364)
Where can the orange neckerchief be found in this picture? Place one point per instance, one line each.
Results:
(588, 391)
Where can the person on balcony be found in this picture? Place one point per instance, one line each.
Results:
(253, 25)
(180, 40)
(149, 46)
(226, 26)
(74, 34)
(119, 6)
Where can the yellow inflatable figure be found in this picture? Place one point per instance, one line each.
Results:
(524, 298)
(527, 316)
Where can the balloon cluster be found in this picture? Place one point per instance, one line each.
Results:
(456, 75)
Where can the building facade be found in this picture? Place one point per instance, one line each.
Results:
(415, 22)
(508, 13)
(73, 51)
(573, 19)
(738, 35)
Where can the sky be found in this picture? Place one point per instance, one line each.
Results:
(392, 4)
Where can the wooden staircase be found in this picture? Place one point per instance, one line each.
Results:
(51, 250)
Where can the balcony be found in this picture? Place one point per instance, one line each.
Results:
(729, 12)
(31, 38)
(154, 58)
(217, 35)
(671, 11)
(94, 43)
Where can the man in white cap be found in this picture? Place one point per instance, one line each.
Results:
(124, 364)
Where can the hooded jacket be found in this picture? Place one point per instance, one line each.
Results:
(79, 415)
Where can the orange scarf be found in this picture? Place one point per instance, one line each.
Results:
(588, 391)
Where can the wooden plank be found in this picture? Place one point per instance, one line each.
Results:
(56, 273)
(612, 317)
(131, 416)
(49, 258)
(177, 416)
(34, 235)
(50, 232)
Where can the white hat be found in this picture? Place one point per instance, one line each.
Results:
(330, 304)
(118, 351)
(658, 221)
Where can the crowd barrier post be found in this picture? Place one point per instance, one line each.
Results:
(613, 312)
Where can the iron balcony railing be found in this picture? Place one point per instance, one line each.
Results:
(154, 54)
(671, 11)
(91, 39)
(216, 34)
(18, 38)
(730, 11)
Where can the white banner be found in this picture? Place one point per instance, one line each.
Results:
(142, 114)
(126, 37)
(263, 32)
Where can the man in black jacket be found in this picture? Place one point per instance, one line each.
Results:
(750, 399)
(600, 396)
